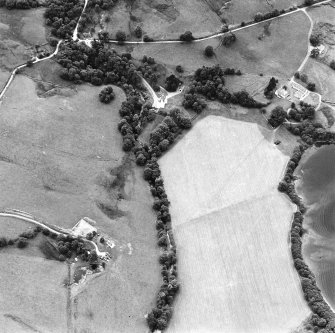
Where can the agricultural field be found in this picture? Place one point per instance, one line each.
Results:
(231, 227)
(20, 31)
(61, 160)
(274, 49)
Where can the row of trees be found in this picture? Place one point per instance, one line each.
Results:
(323, 317)
(261, 17)
(160, 139)
(146, 155)
(132, 112)
(311, 132)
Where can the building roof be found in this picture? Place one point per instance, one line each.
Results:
(84, 227)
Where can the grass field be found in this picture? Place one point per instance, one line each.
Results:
(61, 160)
(33, 296)
(20, 31)
(279, 52)
(161, 19)
(231, 227)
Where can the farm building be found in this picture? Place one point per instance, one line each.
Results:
(84, 227)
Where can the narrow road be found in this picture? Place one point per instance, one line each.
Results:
(309, 46)
(11, 78)
(75, 32)
(215, 35)
(20, 215)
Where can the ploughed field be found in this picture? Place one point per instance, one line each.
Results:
(231, 227)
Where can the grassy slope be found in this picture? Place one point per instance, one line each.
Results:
(231, 228)
(62, 157)
(20, 31)
(33, 297)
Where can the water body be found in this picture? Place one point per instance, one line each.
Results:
(317, 187)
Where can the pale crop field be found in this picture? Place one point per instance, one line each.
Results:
(231, 227)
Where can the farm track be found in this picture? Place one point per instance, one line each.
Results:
(20, 215)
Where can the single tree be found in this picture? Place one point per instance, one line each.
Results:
(209, 51)
(121, 36)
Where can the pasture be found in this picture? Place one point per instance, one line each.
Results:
(279, 51)
(61, 160)
(33, 295)
(162, 19)
(231, 226)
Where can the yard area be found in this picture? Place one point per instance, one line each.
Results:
(231, 226)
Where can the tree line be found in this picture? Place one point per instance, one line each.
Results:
(210, 83)
(323, 318)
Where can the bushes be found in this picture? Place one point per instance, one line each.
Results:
(228, 39)
(305, 112)
(19, 4)
(181, 119)
(172, 83)
(121, 36)
(315, 40)
(62, 16)
(210, 81)
(277, 117)
(332, 65)
(106, 95)
(209, 51)
(269, 90)
(149, 70)
(186, 36)
(261, 17)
